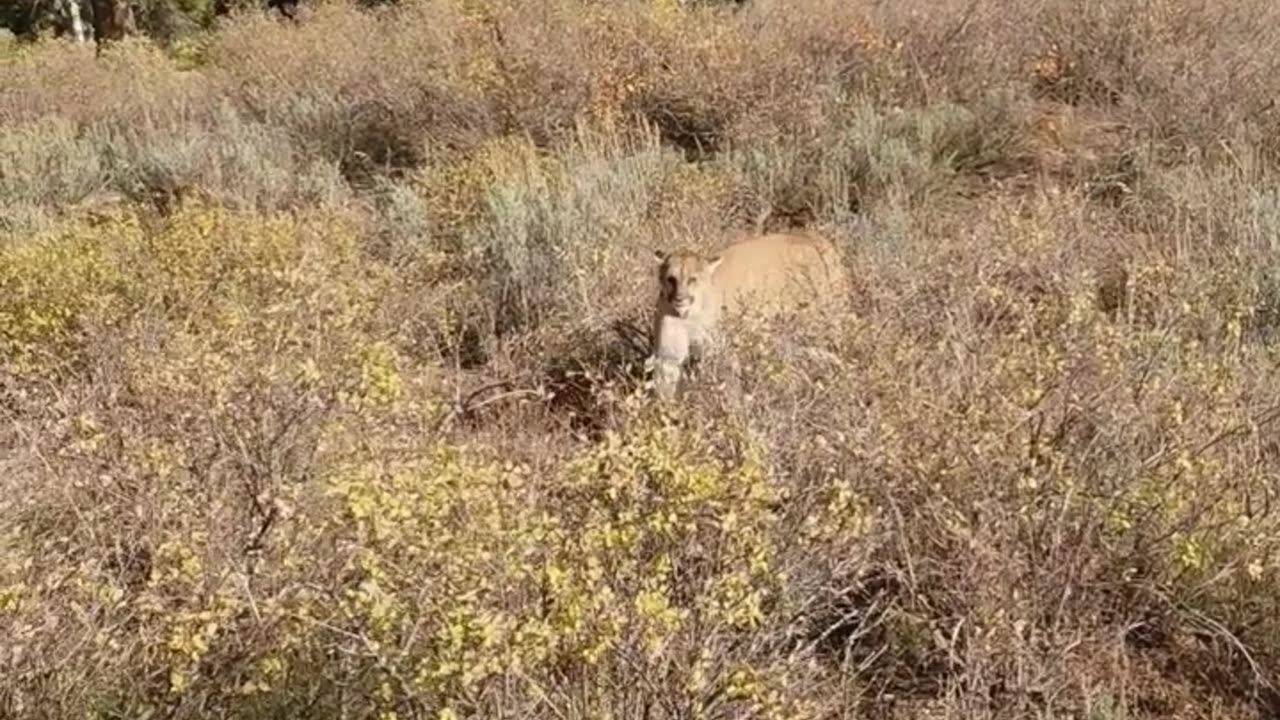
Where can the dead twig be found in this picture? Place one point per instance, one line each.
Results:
(480, 398)
(636, 339)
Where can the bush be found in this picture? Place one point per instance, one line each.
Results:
(315, 400)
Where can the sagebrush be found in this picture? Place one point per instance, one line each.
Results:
(323, 389)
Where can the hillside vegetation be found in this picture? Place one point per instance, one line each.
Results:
(322, 343)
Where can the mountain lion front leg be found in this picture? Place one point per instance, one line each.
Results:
(670, 352)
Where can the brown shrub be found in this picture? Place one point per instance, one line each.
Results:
(337, 407)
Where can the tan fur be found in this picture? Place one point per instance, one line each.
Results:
(763, 275)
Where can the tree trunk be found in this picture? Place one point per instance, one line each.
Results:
(76, 17)
(112, 20)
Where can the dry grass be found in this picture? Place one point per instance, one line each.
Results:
(316, 397)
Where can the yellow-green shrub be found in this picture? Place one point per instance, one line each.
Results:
(204, 268)
(52, 283)
(653, 547)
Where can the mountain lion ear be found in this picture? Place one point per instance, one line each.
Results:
(714, 262)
